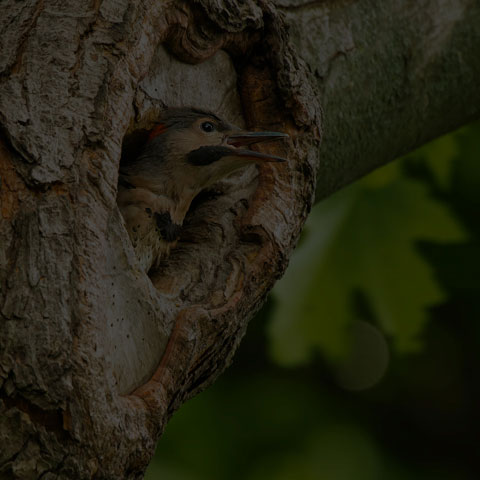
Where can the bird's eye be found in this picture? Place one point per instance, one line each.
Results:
(208, 127)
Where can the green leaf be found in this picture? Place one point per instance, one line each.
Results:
(362, 239)
(439, 156)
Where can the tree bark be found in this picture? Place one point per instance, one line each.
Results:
(391, 76)
(95, 356)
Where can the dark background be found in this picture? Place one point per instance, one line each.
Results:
(364, 362)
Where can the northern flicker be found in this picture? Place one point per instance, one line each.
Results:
(187, 151)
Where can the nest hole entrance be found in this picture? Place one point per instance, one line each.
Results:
(210, 222)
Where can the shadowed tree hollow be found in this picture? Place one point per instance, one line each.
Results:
(95, 355)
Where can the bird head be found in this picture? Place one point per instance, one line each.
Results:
(189, 150)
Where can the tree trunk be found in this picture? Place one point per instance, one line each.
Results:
(95, 356)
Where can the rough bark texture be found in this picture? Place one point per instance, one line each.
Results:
(85, 386)
(391, 75)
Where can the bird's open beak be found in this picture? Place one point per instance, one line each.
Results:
(243, 139)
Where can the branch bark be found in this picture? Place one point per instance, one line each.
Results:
(391, 75)
(85, 386)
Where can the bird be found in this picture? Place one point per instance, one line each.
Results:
(186, 151)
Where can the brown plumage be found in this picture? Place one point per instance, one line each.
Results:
(187, 151)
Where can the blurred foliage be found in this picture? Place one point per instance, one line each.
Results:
(364, 363)
(362, 239)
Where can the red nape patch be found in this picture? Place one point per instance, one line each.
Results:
(158, 130)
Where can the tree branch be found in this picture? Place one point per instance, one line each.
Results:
(391, 74)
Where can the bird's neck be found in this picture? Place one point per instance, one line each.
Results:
(176, 205)
(161, 199)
